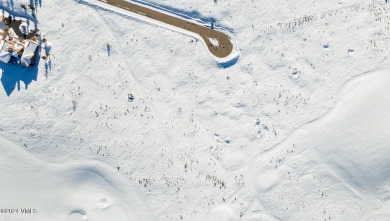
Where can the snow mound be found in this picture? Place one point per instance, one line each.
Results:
(342, 156)
(86, 190)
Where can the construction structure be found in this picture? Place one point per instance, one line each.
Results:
(18, 41)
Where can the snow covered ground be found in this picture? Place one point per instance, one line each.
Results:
(295, 130)
(38, 190)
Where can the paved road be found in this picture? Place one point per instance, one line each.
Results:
(225, 45)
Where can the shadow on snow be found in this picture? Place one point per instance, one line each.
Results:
(14, 74)
(229, 63)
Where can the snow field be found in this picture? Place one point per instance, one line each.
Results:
(292, 131)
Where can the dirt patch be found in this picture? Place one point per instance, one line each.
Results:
(13, 23)
(218, 43)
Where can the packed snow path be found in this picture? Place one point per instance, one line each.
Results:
(218, 43)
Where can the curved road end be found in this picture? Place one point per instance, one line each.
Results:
(218, 43)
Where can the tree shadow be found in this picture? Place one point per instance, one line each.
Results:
(47, 68)
(36, 3)
(14, 74)
(12, 4)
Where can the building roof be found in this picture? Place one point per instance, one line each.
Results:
(5, 56)
(29, 53)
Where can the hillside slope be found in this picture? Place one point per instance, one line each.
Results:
(295, 130)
